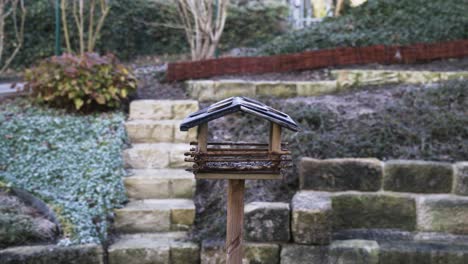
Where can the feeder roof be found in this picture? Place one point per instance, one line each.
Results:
(238, 104)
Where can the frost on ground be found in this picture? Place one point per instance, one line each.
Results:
(426, 122)
(73, 162)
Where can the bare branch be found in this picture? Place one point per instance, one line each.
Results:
(93, 13)
(19, 33)
(63, 6)
(203, 32)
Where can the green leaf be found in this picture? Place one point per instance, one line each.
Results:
(78, 103)
(124, 93)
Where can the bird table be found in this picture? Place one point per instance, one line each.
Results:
(238, 161)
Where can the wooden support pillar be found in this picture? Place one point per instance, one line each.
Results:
(275, 138)
(235, 222)
(202, 137)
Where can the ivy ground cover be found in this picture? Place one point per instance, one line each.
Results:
(73, 162)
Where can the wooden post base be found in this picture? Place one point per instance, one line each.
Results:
(235, 222)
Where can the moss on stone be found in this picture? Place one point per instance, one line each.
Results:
(359, 210)
(418, 177)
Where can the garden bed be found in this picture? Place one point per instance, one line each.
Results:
(72, 162)
(427, 122)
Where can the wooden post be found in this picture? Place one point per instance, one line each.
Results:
(235, 222)
(275, 138)
(202, 137)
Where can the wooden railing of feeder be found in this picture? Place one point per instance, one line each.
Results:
(238, 161)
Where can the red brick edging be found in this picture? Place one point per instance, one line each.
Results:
(381, 54)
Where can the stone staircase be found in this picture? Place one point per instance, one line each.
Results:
(153, 224)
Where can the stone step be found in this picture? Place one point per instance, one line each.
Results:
(213, 252)
(162, 109)
(155, 215)
(156, 155)
(154, 131)
(379, 77)
(208, 90)
(160, 184)
(213, 90)
(170, 248)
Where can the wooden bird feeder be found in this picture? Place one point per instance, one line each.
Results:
(238, 161)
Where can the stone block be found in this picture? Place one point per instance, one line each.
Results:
(443, 213)
(160, 248)
(159, 184)
(185, 253)
(184, 136)
(346, 78)
(229, 88)
(141, 216)
(156, 131)
(266, 222)
(418, 176)
(373, 210)
(183, 216)
(45, 254)
(376, 234)
(213, 252)
(340, 174)
(458, 75)
(149, 254)
(150, 131)
(147, 188)
(417, 77)
(276, 89)
(176, 155)
(461, 178)
(261, 253)
(150, 109)
(301, 254)
(311, 218)
(182, 108)
(147, 156)
(376, 77)
(158, 215)
(316, 88)
(354, 252)
(409, 252)
(201, 90)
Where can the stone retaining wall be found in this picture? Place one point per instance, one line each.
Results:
(355, 211)
(209, 90)
(51, 254)
(366, 211)
(372, 175)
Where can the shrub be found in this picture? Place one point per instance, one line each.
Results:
(86, 82)
(388, 22)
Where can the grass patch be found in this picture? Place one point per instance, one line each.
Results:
(389, 22)
(73, 162)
